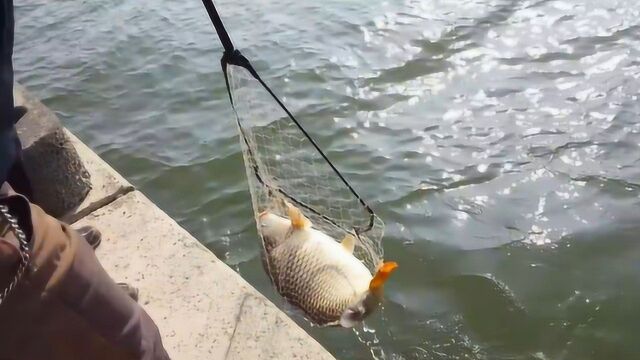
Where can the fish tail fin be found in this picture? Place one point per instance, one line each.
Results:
(381, 276)
(298, 220)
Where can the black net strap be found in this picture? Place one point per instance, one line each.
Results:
(232, 56)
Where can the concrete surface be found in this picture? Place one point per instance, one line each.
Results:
(50, 158)
(203, 308)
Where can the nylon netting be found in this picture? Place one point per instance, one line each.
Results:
(283, 164)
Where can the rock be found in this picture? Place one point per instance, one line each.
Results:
(59, 179)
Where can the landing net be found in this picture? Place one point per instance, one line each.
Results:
(284, 163)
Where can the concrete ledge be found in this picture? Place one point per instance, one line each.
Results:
(64, 185)
(203, 308)
(60, 180)
(106, 184)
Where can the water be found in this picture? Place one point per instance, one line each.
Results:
(495, 137)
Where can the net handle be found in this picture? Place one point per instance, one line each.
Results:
(233, 56)
(218, 25)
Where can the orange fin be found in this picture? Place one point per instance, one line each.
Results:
(298, 220)
(382, 275)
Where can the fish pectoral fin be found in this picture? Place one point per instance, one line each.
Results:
(298, 220)
(381, 276)
(349, 243)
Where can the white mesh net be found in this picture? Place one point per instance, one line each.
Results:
(283, 164)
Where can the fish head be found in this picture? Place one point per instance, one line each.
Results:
(371, 299)
(273, 229)
(361, 309)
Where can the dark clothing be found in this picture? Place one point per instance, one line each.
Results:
(11, 168)
(6, 65)
(17, 177)
(69, 307)
(9, 142)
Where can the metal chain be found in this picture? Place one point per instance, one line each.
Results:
(24, 251)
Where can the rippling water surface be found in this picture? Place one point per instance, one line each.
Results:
(493, 137)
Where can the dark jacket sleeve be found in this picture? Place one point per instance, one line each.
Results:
(8, 136)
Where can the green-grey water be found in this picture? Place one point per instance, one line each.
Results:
(494, 137)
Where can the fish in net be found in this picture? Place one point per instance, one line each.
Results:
(321, 242)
